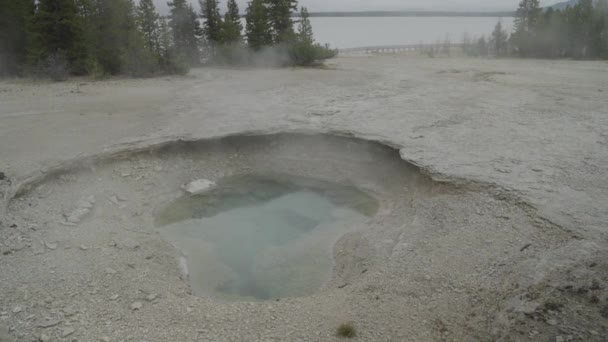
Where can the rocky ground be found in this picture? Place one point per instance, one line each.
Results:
(510, 246)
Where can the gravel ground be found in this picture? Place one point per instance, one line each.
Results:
(512, 245)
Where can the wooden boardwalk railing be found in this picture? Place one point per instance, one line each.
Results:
(395, 48)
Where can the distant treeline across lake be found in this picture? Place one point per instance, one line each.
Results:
(413, 14)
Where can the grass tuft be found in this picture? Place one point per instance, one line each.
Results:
(346, 330)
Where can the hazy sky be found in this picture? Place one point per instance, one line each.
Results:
(389, 5)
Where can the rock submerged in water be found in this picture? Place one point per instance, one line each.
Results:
(198, 187)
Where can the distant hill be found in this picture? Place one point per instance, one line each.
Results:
(564, 4)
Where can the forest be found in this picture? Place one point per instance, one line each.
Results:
(58, 38)
(577, 32)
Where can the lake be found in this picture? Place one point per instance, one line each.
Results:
(349, 32)
(352, 32)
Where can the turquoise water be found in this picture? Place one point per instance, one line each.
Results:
(263, 238)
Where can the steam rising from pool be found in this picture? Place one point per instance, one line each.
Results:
(263, 237)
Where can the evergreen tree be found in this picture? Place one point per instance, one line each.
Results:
(600, 30)
(466, 43)
(446, 46)
(118, 45)
(212, 27)
(14, 36)
(305, 33)
(148, 21)
(232, 28)
(303, 50)
(279, 14)
(526, 22)
(482, 46)
(186, 31)
(499, 40)
(57, 35)
(258, 27)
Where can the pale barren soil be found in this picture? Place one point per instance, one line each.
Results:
(493, 198)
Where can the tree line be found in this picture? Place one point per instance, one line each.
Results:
(56, 38)
(579, 32)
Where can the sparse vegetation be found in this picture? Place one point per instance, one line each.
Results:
(346, 330)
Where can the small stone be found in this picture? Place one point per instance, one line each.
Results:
(104, 339)
(110, 270)
(69, 311)
(67, 332)
(114, 297)
(77, 215)
(199, 187)
(136, 306)
(83, 247)
(50, 245)
(130, 244)
(552, 322)
(44, 338)
(86, 203)
(560, 339)
(151, 297)
(17, 309)
(158, 168)
(527, 308)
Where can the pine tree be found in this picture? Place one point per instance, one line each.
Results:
(600, 29)
(258, 27)
(526, 22)
(499, 40)
(446, 47)
(279, 14)
(466, 43)
(57, 35)
(482, 46)
(232, 28)
(212, 27)
(148, 21)
(303, 50)
(118, 46)
(305, 33)
(186, 31)
(14, 36)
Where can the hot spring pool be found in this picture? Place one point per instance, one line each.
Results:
(257, 237)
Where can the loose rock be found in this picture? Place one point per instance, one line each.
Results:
(83, 208)
(199, 187)
(67, 332)
(50, 245)
(136, 306)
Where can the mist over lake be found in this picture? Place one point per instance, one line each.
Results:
(350, 32)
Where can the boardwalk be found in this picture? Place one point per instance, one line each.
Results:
(394, 48)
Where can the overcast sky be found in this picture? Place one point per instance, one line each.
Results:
(388, 5)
